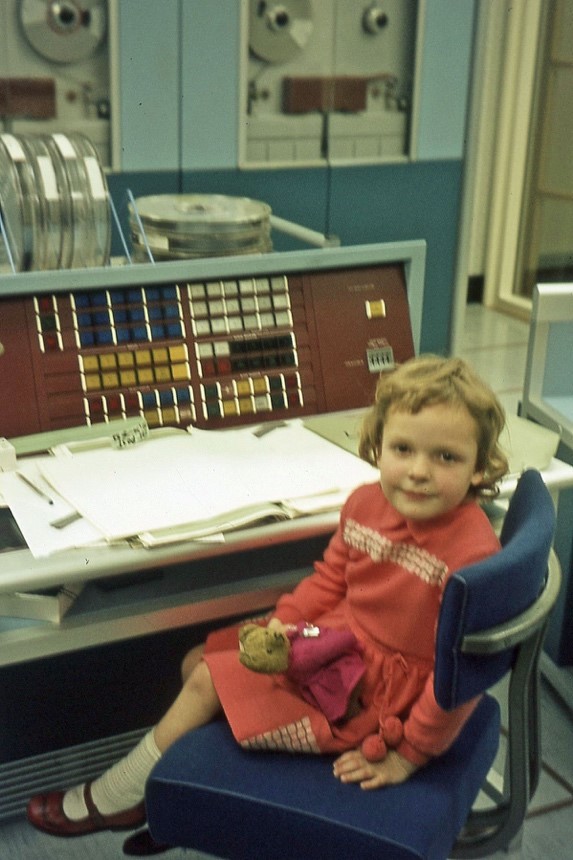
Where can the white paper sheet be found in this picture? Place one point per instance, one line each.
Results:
(33, 513)
(168, 482)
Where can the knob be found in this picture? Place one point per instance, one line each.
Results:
(374, 19)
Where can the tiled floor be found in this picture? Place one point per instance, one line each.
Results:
(496, 345)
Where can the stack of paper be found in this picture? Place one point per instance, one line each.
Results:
(194, 484)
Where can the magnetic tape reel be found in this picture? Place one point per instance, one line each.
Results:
(87, 201)
(279, 31)
(19, 204)
(54, 203)
(179, 226)
(16, 239)
(64, 31)
(47, 247)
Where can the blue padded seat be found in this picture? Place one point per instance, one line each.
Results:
(209, 794)
(207, 777)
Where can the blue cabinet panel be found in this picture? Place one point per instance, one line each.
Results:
(444, 79)
(209, 84)
(149, 84)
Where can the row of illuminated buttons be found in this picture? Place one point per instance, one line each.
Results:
(251, 395)
(247, 322)
(243, 364)
(142, 367)
(223, 348)
(166, 406)
(135, 358)
(251, 385)
(242, 287)
(103, 318)
(244, 305)
(241, 406)
(121, 316)
(111, 336)
(127, 296)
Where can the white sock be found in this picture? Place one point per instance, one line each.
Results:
(121, 786)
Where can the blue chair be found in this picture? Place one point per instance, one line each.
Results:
(209, 794)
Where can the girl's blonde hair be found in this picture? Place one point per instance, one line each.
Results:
(427, 381)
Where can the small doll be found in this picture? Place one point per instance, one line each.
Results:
(327, 667)
(325, 664)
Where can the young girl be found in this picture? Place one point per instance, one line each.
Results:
(433, 432)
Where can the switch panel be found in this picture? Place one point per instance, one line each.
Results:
(215, 350)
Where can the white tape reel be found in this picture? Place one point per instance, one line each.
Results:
(279, 31)
(64, 31)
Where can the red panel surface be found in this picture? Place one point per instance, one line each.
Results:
(216, 354)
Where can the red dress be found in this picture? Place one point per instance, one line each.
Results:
(382, 577)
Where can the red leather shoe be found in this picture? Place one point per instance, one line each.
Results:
(46, 812)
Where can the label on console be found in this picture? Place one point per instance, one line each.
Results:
(131, 436)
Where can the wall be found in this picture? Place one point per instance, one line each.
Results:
(179, 97)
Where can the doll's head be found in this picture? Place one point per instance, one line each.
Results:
(429, 380)
(263, 650)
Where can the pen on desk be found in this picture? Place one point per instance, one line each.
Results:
(66, 521)
(36, 489)
(268, 428)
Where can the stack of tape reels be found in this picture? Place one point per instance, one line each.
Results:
(54, 203)
(181, 226)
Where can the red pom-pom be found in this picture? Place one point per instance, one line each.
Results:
(392, 731)
(374, 748)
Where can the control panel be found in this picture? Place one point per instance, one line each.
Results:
(216, 350)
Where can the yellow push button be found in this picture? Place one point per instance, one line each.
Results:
(107, 362)
(230, 408)
(375, 309)
(90, 363)
(145, 376)
(162, 374)
(92, 381)
(125, 359)
(128, 377)
(180, 371)
(177, 353)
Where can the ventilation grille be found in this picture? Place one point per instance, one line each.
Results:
(21, 779)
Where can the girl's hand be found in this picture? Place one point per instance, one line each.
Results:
(275, 624)
(352, 766)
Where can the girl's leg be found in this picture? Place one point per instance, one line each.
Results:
(191, 659)
(196, 704)
(122, 786)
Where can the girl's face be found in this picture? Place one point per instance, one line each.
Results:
(428, 459)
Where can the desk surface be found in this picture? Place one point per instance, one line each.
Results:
(20, 571)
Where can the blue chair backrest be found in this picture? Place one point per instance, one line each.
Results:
(492, 591)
